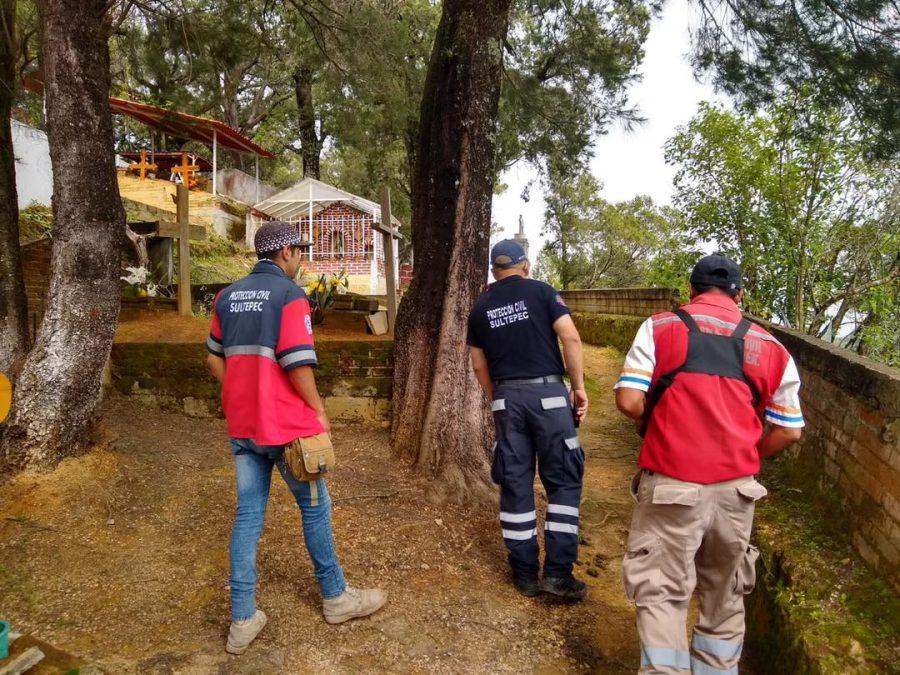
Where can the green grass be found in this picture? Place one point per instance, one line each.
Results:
(35, 222)
(218, 260)
(831, 596)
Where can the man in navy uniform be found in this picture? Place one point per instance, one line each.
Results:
(514, 332)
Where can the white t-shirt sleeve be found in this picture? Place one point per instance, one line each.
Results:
(640, 361)
(784, 407)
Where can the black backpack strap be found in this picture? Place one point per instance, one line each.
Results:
(665, 381)
(741, 330)
(654, 396)
(688, 320)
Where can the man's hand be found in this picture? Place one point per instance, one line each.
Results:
(216, 365)
(776, 439)
(323, 420)
(579, 400)
(304, 382)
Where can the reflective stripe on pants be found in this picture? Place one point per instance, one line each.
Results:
(686, 537)
(535, 430)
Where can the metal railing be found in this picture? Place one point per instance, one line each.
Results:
(335, 236)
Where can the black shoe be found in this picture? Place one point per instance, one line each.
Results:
(568, 587)
(527, 586)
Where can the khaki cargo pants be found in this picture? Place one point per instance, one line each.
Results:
(685, 536)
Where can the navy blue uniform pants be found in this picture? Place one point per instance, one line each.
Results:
(535, 421)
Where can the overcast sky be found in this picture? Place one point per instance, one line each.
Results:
(627, 163)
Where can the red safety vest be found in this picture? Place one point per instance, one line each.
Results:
(714, 373)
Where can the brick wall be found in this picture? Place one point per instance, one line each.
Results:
(406, 275)
(313, 268)
(851, 444)
(338, 227)
(624, 301)
(36, 270)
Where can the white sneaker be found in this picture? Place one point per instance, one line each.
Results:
(242, 633)
(353, 603)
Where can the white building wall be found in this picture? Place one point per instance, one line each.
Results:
(34, 175)
(242, 186)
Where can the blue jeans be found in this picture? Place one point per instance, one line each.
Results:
(253, 467)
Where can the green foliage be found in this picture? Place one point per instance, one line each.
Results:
(35, 222)
(217, 260)
(592, 243)
(845, 53)
(831, 596)
(791, 196)
(568, 65)
(878, 334)
(608, 330)
(377, 120)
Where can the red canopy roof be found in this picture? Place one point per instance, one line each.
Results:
(177, 124)
(183, 125)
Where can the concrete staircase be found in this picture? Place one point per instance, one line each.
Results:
(217, 214)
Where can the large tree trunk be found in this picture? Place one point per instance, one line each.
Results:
(13, 308)
(311, 141)
(440, 418)
(59, 386)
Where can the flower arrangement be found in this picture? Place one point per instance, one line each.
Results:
(321, 293)
(139, 284)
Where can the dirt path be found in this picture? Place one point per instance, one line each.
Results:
(121, 556)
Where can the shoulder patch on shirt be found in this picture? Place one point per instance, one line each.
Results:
(308, 322)
(560, 301)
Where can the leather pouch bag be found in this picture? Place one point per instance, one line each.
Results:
(309, 458)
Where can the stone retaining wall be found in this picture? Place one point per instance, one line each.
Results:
(607, 330)
(354, 378)
(623, 301)
(851, 444)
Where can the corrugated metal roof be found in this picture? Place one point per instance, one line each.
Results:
(179, 124)
(294, 201)
(184, 125)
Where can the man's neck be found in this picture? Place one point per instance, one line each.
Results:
(509, 274)
(276, 264)
(716, 296)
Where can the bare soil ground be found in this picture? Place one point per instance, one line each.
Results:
(121, 556)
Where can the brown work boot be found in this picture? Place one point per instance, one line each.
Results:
(353, 603)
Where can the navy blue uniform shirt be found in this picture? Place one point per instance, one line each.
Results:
(512, 322)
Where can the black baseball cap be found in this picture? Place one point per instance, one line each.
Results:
(507, 253)
(717, 270)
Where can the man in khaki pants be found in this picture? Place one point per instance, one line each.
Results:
(697, 382)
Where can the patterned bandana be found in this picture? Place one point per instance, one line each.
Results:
(274, 234)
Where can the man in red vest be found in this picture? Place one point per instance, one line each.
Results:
(698, 382)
